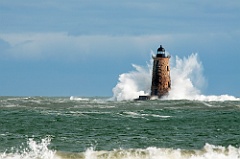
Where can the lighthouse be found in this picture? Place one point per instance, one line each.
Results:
(161, 81)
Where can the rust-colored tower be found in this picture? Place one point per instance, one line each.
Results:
(161, 82)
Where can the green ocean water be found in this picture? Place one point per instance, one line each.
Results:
(48, 127)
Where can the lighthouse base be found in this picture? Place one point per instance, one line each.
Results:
(143, 98)
(147, 97)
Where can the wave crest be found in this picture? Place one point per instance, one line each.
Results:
(40, 150)
(207, 152)
(33, 150)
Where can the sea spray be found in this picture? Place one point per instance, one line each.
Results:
(187, 78)
(183, 73)
(187, 81)
(133, 84)
(34, 149)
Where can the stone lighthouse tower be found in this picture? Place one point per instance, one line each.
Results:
(161, 82)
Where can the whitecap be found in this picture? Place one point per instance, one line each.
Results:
(78, 98)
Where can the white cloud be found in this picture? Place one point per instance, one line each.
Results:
(60, 45)
(45, 45)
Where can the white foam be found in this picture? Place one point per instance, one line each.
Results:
(157, 116)
(78, 98)
(133, 84)
(208, 152)
(216, 98)
(39, 150)
(186, 77)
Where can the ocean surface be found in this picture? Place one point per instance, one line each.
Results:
(98, 128)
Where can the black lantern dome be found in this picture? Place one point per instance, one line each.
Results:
(161, 49)
(160, 52)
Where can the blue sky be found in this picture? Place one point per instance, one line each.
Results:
(76, 47)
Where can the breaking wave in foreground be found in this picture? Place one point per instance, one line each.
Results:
(186, 77)
(40, 150)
